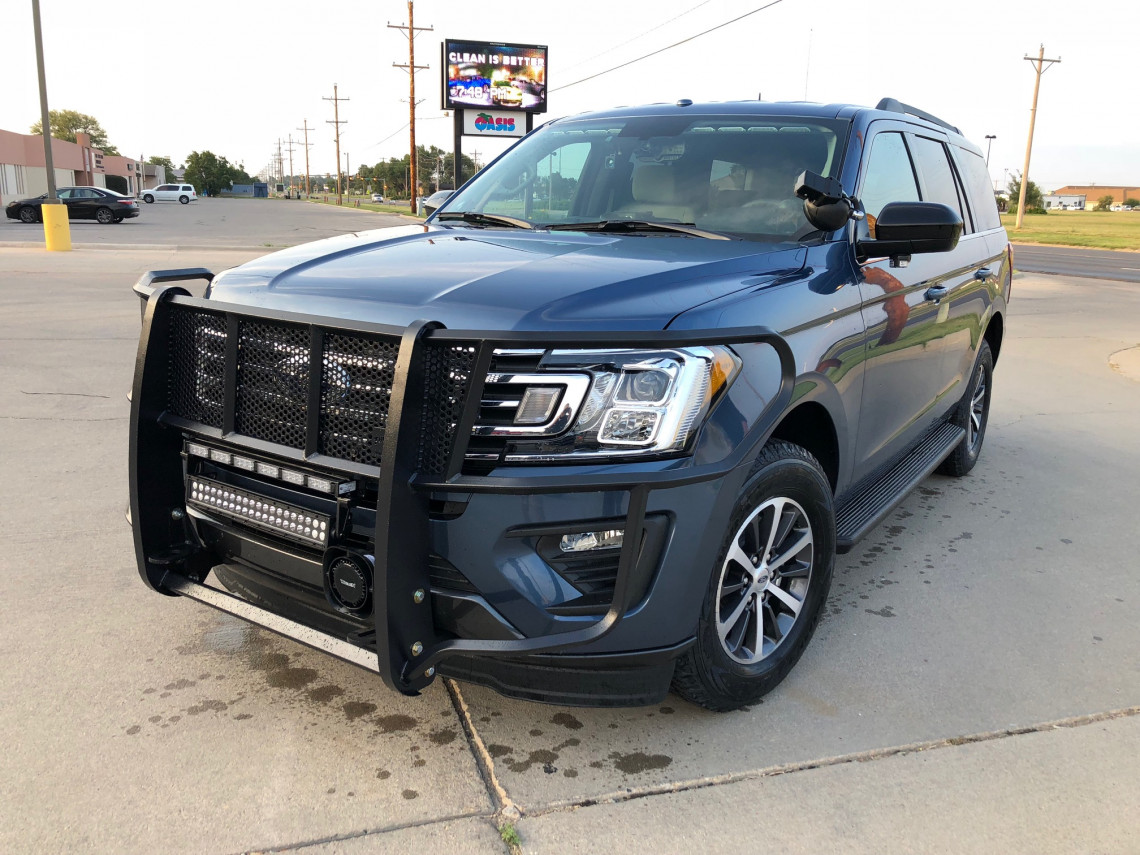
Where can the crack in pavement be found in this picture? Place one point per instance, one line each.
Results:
(842, 759)
(368, 832)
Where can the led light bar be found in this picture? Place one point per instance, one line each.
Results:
(328, 486)
(260, 512)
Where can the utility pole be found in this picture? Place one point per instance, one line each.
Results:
(306, 144)
(290, 149)
(410, 31)
(336, 120)
(1039, 65)
(280, 164)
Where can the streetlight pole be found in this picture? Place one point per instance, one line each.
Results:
(57, 231)
(989, 141)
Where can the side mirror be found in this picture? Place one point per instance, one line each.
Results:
(908, 228)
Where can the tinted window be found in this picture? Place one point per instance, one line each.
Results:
(62, 194)
(890, 177)
(188, 188)
(937, 174)
(979, 189)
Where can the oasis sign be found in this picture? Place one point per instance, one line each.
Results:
(493, 123)
(494, 75)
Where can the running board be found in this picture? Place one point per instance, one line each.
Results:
(867, 508)
(344, 650)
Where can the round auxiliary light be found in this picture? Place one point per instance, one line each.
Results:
(349, 582)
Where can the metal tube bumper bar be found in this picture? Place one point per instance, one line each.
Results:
(258, 616)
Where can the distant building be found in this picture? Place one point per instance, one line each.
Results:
(1094, 193)
(23, 168)
(1073, 202)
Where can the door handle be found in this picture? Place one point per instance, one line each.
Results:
(936, 293)
(983, 273)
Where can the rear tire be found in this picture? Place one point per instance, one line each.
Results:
(185, 200)
(767, 589)
(972, 414)
(105, 216)
(28, 214)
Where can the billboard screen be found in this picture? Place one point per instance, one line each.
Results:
(494, 75)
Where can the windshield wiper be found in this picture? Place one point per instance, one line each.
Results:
(477, 217)
(637, 226)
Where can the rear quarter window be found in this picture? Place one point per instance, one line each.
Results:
(979, 189)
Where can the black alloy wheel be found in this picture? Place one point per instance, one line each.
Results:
(105, 216)
(767, 590)
(973, 414)
(28, 214)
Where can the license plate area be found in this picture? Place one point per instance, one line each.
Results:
(262, 513)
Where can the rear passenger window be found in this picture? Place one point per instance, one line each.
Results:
(937, 174)
(979, 189)
(890, 177)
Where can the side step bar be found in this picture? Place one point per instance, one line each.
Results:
(351, 653)
(867, 508)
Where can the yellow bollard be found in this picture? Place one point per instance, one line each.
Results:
(57, 230)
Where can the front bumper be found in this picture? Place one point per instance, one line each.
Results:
(510, 633)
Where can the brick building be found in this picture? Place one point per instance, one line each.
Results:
(23, 168)
(1094, 192)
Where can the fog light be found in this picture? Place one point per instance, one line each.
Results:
(537, 405)
(197, 449)
(292, 477)
(587, 541)
(243, 463)
(219, 456)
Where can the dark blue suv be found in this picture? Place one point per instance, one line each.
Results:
(600, 425)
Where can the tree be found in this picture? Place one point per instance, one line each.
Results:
(1104, 203)
(65, 124)
(212, 174)
(1033, 195)
(1132, 203)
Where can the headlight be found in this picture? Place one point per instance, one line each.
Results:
(589, 404)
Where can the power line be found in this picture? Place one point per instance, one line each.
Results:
(635, 38)
(669, 47)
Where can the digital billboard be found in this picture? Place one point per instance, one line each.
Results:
(494, 75)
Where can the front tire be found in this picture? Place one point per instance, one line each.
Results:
(149, 199)
(767, 589)
(28, 214)
(973, 414)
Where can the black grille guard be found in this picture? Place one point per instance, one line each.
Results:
(406, 647)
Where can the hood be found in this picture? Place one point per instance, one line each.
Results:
(494, 279)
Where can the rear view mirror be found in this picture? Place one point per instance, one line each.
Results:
(908, 228)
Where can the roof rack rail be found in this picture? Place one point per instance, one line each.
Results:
(894, 106)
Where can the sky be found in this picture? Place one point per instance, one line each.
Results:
(166, 78)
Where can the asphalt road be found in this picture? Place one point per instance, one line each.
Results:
(973, 687)
(1075, 261)
(255, 224)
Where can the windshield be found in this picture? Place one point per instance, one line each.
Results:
(727, 174)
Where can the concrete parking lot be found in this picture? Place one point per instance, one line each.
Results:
(973, 687)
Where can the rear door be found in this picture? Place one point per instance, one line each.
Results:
(904, 376)
(968, 272)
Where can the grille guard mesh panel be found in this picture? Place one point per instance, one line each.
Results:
(274, 373)
(197, 366)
